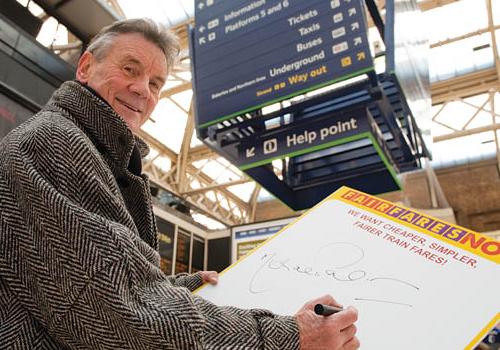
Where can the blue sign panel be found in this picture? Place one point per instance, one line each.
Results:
(264, 231)
(248, 54)
(303, 138)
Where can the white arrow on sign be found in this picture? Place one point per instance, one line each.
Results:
(202, 40)
(352, 11)
(357, 41)
(354, 26)
(202, 29)
(250, 152)
(201, 6)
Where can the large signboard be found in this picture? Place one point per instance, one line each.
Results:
(417, 281)
(248, 54)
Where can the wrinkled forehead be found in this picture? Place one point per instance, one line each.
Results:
(135, 48)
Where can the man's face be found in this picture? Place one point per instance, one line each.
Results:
(129, 77)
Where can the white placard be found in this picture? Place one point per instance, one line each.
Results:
(418, 282)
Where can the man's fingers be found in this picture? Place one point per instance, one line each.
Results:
(336, 331)
(326, 299)
(345, 318)
(348, 333)
(211, 277)
(352, 344)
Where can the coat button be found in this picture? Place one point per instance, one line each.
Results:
(123, 181)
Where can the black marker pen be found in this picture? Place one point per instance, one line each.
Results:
(326, 310)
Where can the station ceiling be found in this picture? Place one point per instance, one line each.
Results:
(464, 63)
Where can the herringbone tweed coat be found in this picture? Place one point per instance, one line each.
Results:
(79, 267)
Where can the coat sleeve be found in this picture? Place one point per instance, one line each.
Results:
(85, 276)
(189, 281)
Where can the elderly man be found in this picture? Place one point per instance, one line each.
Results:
(79, 267)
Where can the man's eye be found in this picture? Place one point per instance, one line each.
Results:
(154, 86)
(128, 69)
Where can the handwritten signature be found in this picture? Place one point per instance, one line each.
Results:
(337, 262)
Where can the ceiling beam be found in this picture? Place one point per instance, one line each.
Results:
(253, 202)
(215, 187)
(176, 89)
(182, 162)
(201, 152)
(462, 37)
(492, 30)
(191, 169)
(468, 132)
(206, 179)
(432, 4)
(205, 206)
(464, 86)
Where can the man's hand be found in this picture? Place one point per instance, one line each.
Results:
(211, 277)
(334, 332)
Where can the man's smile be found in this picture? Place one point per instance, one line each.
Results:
(129, 106)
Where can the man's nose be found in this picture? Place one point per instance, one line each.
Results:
(140, 87)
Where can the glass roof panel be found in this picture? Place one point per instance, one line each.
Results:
(143, 8)
(170, 12)
(483, 118)
(200, 163)
(195, 184)
(439, 130)
(216, 171)
(496, 12)
(171, 83)
(183, 99)
(173, 10)
(211, 195)
(168, 126)
(195, 141)
(188, 6)
(264, 195)
(468, 149)
(185, 75)
(32, 6)
(461, 57)
(52, 33)
(244, 191)
(152, 153)
(210, 223)
(456, 114)
(462, 17)
(477, 100)
(164, 163)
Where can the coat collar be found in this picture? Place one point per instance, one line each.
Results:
(107, 130)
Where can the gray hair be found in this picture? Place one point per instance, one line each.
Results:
(155, 32)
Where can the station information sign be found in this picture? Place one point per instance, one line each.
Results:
(248, 54)
(304, 138)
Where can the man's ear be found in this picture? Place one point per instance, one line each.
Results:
(84, 67)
